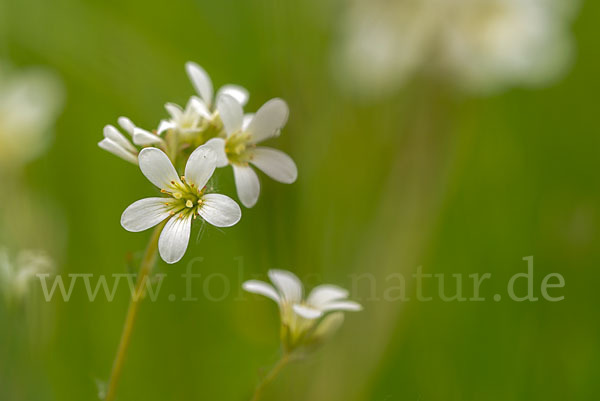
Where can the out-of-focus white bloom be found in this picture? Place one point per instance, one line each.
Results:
(239, 148)
(16, 276)
(382, 44)
(478, 45)
(488, 44)
(187, 199)
(30, 101)
(305, 322)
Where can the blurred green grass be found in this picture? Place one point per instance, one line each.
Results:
(468, 185)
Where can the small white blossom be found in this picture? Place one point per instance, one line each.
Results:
(199, 111)
(204, 87)
(186, 122)
(187, 199)
(118, 144)
(304, 321)
(238, 148)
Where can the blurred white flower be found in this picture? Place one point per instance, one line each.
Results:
(478, 45)
(30, 101)
(187, 199)
(489, 44)
(239, 148)
(16, 276)
(382, 44)
(305, 322)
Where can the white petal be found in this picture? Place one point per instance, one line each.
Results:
(117, 150)
(261, 288)
(174, 110)
(288, 284)
(220, 210)
(200, 107)
(174, 238)
(145, 213)
(164, 126)
(126, 124)
(200, 166)
(141, 137)
(247, 184)
(218, 146)
(342, 305)
(157, 167)
(270, 118)
(114, 135)
(239, 93)
(276, 164)
(247, 119)
(324, 294)
(201, 81)
(231, 113)
(307, 312)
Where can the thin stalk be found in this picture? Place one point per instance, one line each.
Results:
(137, 297)
(270, 376)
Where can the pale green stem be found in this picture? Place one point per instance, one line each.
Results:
(270, 376)
(140, 288)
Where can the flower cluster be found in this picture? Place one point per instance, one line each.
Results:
(210, 132)
(478, 45)
(305, 323)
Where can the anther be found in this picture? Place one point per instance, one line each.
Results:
(177, 195)
(189, 203)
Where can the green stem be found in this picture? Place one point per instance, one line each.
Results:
(140, 288)
(270, 376)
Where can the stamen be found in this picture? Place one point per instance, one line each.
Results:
(183, 178)
(171, 213)
(177, 195)
(189, 203)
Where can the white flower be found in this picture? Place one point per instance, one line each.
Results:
(30, 102)
(187, 122)
(118, 144)
(239, 147)
(382, 44)
(199, 112)
(493, 43)
(204, 87)
(479, 45)
(187, 199)
(304, 321)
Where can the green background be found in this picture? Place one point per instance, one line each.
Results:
(430, 177)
